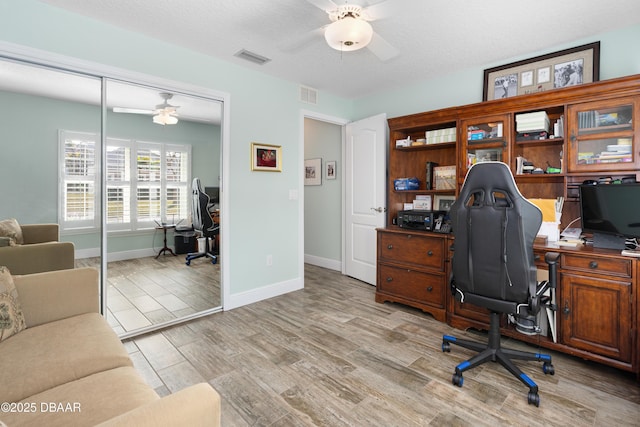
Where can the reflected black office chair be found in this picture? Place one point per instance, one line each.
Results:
(202, 221)
(493, 266)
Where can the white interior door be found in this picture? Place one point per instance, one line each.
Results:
(365, 201)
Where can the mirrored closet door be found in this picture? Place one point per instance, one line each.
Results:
(116, 175)
(158, 141)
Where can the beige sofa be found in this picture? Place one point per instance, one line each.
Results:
(41, 251)
(68, 367)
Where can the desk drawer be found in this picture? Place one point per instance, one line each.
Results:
(413, 248)
(597, 265)
(411, 284)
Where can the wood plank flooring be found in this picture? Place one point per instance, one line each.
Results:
(329, 355)
(148, 291)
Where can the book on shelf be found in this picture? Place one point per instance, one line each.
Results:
(429, 175)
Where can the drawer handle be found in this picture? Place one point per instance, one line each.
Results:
(566, 309)
(409, 236)
(389, 279)
(430, 288)
(389, 246)
(536, 258)
(430, 253)
(593, 264)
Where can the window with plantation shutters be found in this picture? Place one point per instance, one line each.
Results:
(178, 179)
(79, 180)
(145, 182)
(118, 164)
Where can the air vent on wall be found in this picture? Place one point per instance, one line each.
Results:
(252, 57)
(308, 95)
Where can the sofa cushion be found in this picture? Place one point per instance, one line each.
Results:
(43, 357)
(87, 401)
(11, 317)
(11, 229)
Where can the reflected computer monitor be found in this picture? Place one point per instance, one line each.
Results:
(213, 193)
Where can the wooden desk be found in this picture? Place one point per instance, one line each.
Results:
(597, 296)
(215, 216)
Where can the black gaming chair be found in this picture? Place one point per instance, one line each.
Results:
(493, 266)
(202, 221)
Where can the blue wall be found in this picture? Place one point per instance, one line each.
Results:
(619, 56)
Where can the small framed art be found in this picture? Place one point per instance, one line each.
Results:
(313, 172)
(330, 169)
(443, 203)
(265, 157)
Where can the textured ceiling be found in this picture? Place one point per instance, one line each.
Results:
(433, 37)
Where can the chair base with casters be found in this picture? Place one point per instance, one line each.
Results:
(206, 253)
(494, 352)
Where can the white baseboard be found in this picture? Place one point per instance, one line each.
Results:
(331, 264)
(266, 292)
(115, 256)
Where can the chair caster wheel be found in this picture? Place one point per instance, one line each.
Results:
(214, 261)
(548, 368)
(446, 347)
(188, 262)
(533, 399)
(457, 380)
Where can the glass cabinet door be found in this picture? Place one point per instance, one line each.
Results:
(602, 136)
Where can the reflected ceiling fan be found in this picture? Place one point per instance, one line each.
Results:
(163, 114)
(350, 29)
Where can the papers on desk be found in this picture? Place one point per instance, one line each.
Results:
(551, 215)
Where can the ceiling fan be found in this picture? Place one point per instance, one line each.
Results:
(163, 114)
(350, 29)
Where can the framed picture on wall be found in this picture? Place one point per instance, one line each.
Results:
(330, 169)
(313, 172)
(555, 70)
(265, 157)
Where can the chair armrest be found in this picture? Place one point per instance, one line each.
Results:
(551, 258)
(55, 295)
(40, 233)
(535, 300)
(38, 257)
(198, 405)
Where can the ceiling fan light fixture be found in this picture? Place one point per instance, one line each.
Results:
(348, 34)
(165, 118)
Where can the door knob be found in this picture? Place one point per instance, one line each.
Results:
(379, 209)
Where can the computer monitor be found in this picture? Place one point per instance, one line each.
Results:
(213, 193)
(611, 212)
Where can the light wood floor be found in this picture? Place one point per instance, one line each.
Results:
(148, 291)
(329, 355)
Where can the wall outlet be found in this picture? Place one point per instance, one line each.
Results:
(269, 260)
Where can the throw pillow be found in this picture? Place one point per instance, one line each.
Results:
(11, 317)
(11, 229)
(4, 241)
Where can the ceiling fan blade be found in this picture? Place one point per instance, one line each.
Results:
(382, 49)
(300, 42)
(380, 10)
(132, 110)
(325, 5)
